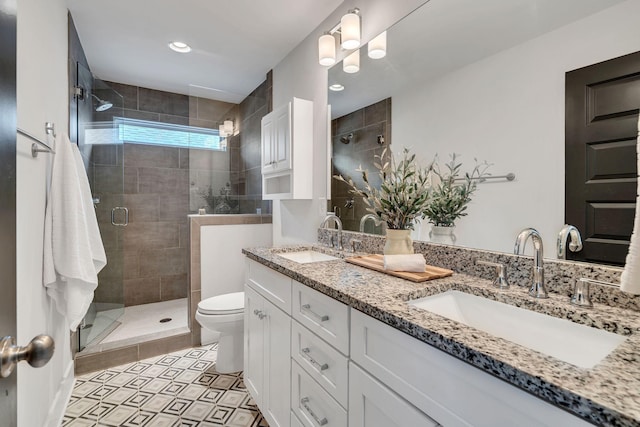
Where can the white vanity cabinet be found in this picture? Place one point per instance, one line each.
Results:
(313, 361)
(374, 405)
(444, 388)
(267, 340)
(287, 151)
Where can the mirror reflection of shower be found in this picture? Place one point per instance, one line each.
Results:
(102, 104)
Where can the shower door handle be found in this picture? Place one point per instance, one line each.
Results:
(126, 216)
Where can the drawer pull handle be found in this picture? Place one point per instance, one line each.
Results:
(259, 313)
(321, 366)
(305, 404)
(319, 318)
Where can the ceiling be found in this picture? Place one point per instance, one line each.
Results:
(235, 42)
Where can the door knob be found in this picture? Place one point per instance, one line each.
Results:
(37, 353)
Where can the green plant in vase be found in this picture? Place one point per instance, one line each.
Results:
(402, 197)
(451, 193)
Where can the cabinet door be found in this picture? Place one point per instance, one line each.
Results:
(268, 143)
(254, 344)
(277, 367)
(283, 138)
(371, 404)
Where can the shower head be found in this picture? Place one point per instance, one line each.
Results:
(102, 104)
(346, 138)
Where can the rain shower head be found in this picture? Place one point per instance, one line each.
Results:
(102, 104)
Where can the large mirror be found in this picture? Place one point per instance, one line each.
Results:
(485, 80)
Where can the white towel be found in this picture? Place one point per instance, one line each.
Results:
(630, 279)
(414, 263)
(73, 250)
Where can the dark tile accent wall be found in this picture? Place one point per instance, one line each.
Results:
(162, 185)
(245, 150)
(365, 124)
(151, 253)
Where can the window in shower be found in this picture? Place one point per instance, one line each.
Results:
(167, 134)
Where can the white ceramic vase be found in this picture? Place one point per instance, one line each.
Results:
(398, 242)
(442, 234)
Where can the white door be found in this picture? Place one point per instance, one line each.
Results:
(277, 366)
(268, 146)
(253, 344)
(371, 404)
(283, 137)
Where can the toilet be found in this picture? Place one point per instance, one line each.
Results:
(225, 314)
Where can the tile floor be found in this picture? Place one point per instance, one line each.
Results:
(177, 389)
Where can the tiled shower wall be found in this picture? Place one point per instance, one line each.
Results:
(162, 185)
(245, 151)
(366, 124)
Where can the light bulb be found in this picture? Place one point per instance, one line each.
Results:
(378, 46)
(326, 50)
(351, 64)
(350, 30)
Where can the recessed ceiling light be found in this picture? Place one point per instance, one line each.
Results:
(180, 47)
(336, 87)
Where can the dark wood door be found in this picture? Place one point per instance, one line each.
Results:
(602, 104)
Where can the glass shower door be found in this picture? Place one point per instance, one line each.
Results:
(97, 105)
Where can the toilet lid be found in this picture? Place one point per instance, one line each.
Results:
(223, 304)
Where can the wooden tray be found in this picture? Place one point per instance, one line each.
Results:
(376, 262)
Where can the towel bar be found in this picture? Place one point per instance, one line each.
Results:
(49, 128)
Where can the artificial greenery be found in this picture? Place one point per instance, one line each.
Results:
(223, 203)
(403, 194)
(450, 197)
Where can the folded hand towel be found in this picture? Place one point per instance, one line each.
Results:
(73, 250)
(630, 279)
(414, 263)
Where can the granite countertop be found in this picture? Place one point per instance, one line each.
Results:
(607, 394)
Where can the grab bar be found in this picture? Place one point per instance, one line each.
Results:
(49, 129)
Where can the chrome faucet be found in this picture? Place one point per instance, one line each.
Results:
(331, 216)
(537, 289)
(364, 219)
(575, 242)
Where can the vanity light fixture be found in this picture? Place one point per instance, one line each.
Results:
(327, 50)
(351, 64)
(377, 47)
(349, 30)
(226, 128)
(180, 47)
(336, 87)
(350, 34)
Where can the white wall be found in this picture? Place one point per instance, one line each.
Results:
(222, 262)
(300, 75)
(509, 110)
(42, 94)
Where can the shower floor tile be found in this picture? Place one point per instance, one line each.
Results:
(206, 398)
(143, 320)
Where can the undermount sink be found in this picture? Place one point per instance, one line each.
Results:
(305, 257)
(570, 342)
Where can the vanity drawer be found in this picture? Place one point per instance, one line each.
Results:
(322, 362)
(322, 315)
(295, 422)
(311, 403)
(274, 286)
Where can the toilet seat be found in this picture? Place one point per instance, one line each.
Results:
(232, 303)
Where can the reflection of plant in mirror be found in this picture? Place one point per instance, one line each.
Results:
(450, 197)
(222, 203)
(403, 194)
